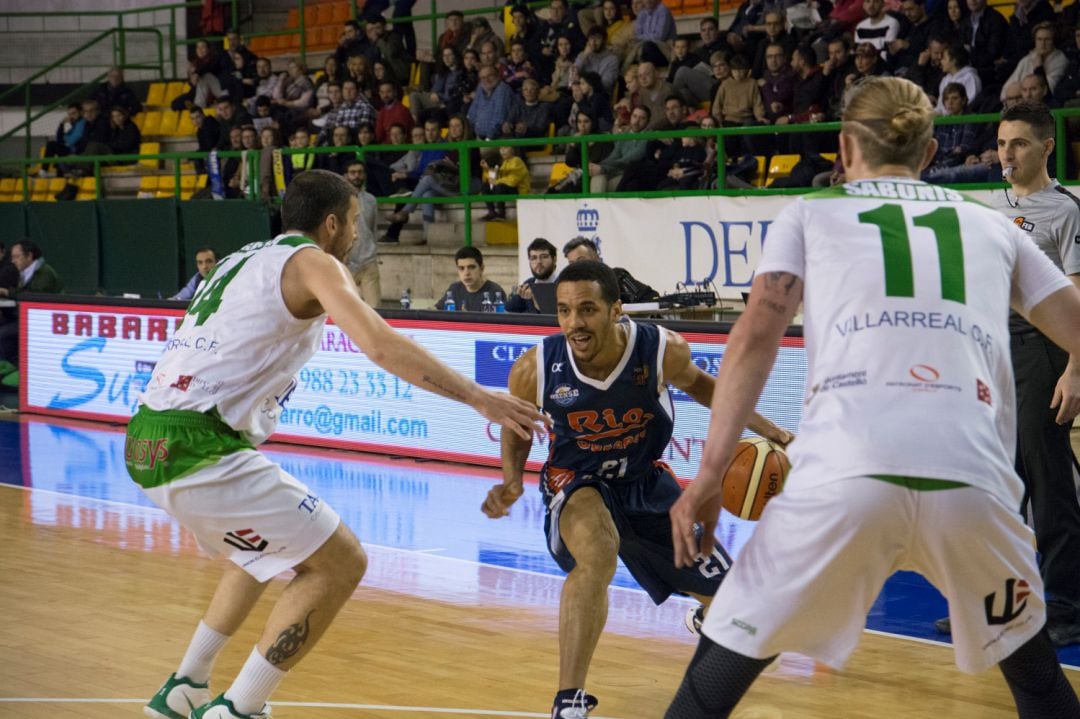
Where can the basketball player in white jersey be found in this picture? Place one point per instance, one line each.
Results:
(905, 453)
(217, 392)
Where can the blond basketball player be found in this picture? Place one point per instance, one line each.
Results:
(218, 391)
(904, 460)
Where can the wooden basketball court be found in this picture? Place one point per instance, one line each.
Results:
(100, 598)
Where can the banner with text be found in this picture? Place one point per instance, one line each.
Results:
(92, 361)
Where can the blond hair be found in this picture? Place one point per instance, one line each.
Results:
(891, 119)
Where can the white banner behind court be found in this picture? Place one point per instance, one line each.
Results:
(663, 241)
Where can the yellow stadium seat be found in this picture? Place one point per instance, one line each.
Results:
(56, 185)
(148, 185)
(780, 166)
(185, 127)
(7, 185)
(759, 178)
(175, 89)
(151, 122)
(7, 197)
(187, 182)
(150, 148)
(828, 156)
(169, 120)
(541, 150)
(155, 96)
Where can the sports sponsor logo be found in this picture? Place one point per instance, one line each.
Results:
(925, 380)
(564, 395)
(182, 382)
(924, 373)
(558, 478)
(492, 361)
(982, 391)
(246, 540)
(1014, 603)
(844, 380)
(640, 375)
(603, 431)
(1024, 224)
(745, 626)
(113, 326)
(309, 504)
(144, 454)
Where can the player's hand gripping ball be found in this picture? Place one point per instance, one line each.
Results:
(755, 476)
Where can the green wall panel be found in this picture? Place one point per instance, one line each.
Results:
(140, 243)
(12, 221)
(225, 225)
(67, 233)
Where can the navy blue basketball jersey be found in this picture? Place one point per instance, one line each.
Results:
(613, 430)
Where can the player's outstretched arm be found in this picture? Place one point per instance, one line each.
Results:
(749, 357)
(1058, 316)
(318, 276)
(680, 371)
(515, 450)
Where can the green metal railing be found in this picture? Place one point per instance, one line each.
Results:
(116, 35)
(467, 198)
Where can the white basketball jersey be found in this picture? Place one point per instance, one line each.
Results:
(907, 291)
(239, 348)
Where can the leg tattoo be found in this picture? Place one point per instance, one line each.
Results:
(289, 642)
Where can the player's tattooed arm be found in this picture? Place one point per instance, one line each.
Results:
(430, 383)
(779, 290)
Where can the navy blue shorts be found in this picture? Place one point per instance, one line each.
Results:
(640, 512)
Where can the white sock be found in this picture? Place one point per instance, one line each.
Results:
(201, 654)
(254, 684)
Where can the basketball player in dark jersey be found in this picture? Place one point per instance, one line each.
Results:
(604, 384)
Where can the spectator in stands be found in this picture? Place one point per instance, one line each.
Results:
(839, 63)
(526, 30)
(445, 91)
(299, 162)
(1034, 88)
(631, 290)
(350, 43)
(956, 65)
(529, 116)
(868, 62)
(681, 57)
(738, 99)
(504, 174)
(362, 260)
(390, 173)
(696, 86)
(590, 98)
(808, 101)
(710, 39)
(654, 31)
(294, 94)
(270, 139)
(205, 260)
(391, 113)
(229, 116)
(266, 82)
(955, 142)
(69, 136)
(1027, 16)
(558, 24)
(653, 91)
(470, 68)
(490, 105)
(1067, 91)
(618, 23)
(207, 134)
(472, 288)
(903, 52)
(805, 17)
(598, 151)
(391, 49)
(878, 28)
(631, 98)
(927, 72)
(426, 184)
(355, 109)
(777, 83)
(688, 165)
(542, 258)
(1043, 56)
(842, 19)
(746, 23)
(696, 83)
(775, 34)
(675, 112)
(659, 156)
(597, 58)
(562, 71)
(95, 141)
(517, 67)
(456, 34)
(337, 162)
(983, 164)
(357, 68)
(326, 114)
(607, 174)
(241, 79)
(124, 135)
(482, 34)
(984, 34)
(114, 91)
(234, 42)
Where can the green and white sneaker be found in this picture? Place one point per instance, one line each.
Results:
(222, 708)
(177, 698)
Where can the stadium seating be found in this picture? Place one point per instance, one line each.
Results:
(780, 166)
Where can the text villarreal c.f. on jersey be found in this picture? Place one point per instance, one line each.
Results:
(906, 294)
(238, 348)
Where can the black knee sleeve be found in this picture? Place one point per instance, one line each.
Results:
(714, 682)
(1037, 683)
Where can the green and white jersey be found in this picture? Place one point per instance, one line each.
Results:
(239, 348)
(1052, 217)
(907, 290)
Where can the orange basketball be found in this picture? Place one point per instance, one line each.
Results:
(755, 476)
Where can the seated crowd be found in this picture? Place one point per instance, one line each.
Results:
(610, 68)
